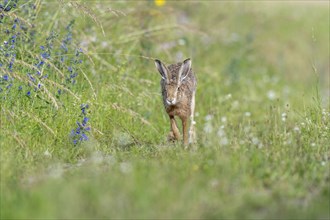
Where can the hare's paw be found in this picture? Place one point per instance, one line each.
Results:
(192, 135)
(171, 137)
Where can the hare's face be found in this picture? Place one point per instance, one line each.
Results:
(171, 91)
(172, 79)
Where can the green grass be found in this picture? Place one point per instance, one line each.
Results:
(262, 113)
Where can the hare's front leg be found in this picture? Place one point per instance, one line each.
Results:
(174, 130)
(192, 132)
(185, 130)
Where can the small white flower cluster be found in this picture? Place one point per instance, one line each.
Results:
(47, 154)
(255, 141)
(222, 135)
(228, 96)
(208, 128)
(208, 117)
(251, 138)
(296, 129)
(325, 115)
(271, 95)
(223, 119)
(308, 121)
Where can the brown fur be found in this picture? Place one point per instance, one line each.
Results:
(183, 92)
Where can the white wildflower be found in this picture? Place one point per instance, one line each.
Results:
(47, 154)
(208, 128)
(221, 133)
(324, 112)
(181, 42)
(271, 95)
(104, 44)
(228, 96)
(255, 141)
(208, 117)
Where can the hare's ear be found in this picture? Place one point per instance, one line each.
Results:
(161, 69)
(184, 69)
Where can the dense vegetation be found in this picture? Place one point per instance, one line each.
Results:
(83, 130)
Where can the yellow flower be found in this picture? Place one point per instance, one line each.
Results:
(159, 2)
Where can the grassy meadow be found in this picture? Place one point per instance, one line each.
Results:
(83, 128)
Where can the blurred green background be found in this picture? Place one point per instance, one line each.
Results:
(262, 111)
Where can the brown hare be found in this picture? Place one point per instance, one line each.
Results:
(178, 86)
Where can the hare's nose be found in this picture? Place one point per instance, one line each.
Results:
(170, 101)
